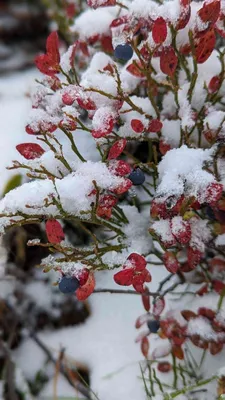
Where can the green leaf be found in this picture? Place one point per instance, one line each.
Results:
(12, 183)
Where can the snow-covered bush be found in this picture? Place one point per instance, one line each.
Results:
(142, 92)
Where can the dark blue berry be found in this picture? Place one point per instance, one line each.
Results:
(68, 284)
(123, 51)
(153, 326)
(137, 176)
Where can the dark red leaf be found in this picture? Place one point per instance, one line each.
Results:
(207, 313)
(210, 11)
(54, 231)
(177, 351)
(215, 347)
(214, 84)
(159, 30)
(188, 314)
(168, 61)
(205, 46)
(199, 342)
(164, 366)
(30, 151)
(155, 125)
(218, 286)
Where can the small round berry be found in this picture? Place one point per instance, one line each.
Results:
(137, 176)
(153, 326)
(123, 51)
(68, 284)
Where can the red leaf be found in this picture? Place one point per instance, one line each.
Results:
(145, 347)
(117, 148)
(210, 11)
(213, 193)
(214, 84)
(170, 261)
(178, 352)
(146, 300)
(136, 69)
(120, 167)
(106, 203)
(83, 276)
(164, 147)
(184, 15)
(123, 187)
(155, 125)
(188, 314)
(159, 30)
(215, 347)
(194, 256)
(137, 125)
(218, 286)
(137, 261)
(141, 320)
(205, 47)
(52, 47)
(203, 290)
(168, 61)
(49, 63)
(181, 230)
(46, 65)
(158, 306)
(124, 277)
(30, 151)
(207, 313)
(119, 21)
(54, 231)
(86, 103)
(199, 342)
(103, 3)
(164, 366)
(83, 292)
(104, 130)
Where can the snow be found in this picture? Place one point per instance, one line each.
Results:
(94, 22)
(181, 169)
(73, 189)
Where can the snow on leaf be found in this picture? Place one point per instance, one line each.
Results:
(117, 148)
(158, 306)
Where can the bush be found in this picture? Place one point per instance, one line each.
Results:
(144, 82)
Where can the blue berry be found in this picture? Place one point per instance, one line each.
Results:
(123, 51)
(137, 176)
(68, 284)
(153, 326)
